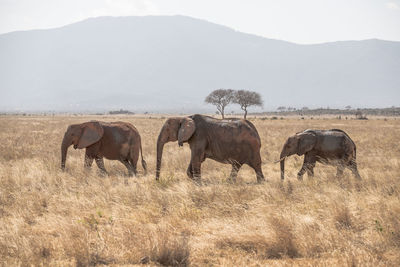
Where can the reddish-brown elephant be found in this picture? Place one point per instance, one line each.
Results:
(111, 140)
(333, 147)
(234, 142)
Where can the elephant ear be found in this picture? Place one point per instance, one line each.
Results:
(91, 133)
(186, 130)
(307, 142)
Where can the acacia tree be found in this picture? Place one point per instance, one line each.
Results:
(281, 108)
(246, 99)
(220, 98)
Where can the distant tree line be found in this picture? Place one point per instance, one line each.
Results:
(223, 97)
(359, 113)
(121, 111)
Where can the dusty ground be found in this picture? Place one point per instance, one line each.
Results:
(50, 217)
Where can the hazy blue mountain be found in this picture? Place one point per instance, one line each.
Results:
(170, 63)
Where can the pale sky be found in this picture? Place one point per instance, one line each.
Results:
(299, 21)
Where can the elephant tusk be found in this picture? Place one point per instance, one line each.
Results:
(280, 159)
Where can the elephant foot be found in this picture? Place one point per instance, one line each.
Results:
(104, 174)
(261, 180)
(231, 180)
(197, 180)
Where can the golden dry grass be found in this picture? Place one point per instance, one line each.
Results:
(50, 217)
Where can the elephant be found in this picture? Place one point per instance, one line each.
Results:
(234, 142)
(333, 147)
(112, 140)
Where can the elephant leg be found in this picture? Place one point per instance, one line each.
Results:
(128, 166)
(303, 168)
(353, 167)
(256, 165)
(196, 167)
(301, 173)
(88, 161)
(100, 164)
(133, 165)
(197, 159)
(235, 169)
(308, 165)
(310, 169)
(189, 171)
(134, 156)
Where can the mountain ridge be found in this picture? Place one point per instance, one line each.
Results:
(157, 63)
(196, 19)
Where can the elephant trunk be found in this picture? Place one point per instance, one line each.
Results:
(64, 147)
(160, 146)
(282, 169)
(282, 162)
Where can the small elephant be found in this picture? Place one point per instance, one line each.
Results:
(234, 142)
(333, 147)
(112, 140)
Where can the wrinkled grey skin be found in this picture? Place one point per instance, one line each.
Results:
(234, 142)
(111, 140)
(333, 147)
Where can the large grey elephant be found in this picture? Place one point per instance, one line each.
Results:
(112, 140)
(234, 142)
(333, 147)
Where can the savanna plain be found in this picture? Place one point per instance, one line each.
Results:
(80, 218)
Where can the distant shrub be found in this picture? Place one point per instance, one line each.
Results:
(274, 118)
(121, 111)
(169, 250)
(361, 116)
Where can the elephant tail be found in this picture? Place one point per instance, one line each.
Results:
(144, 164)
(354, 152)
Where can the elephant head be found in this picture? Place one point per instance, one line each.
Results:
(299, 144)
(81, 136)
(174, 129)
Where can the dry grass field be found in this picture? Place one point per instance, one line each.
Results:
(79, 218)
